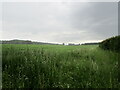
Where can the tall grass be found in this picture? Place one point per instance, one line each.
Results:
(0, 66)
(57, 66)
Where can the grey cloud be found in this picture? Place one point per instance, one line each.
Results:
(99, 18)
(59, 22)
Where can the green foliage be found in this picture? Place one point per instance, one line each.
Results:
(58, 66)
(112, 44)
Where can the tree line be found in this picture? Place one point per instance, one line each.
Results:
(112, 44)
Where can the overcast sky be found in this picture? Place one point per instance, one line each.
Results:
(68, 22)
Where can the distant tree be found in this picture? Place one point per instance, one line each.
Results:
(71, 44)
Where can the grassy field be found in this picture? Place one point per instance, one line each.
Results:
(49, 66)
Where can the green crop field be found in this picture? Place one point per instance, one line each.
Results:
(58, 66)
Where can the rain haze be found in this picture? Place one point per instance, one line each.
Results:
(59, 22)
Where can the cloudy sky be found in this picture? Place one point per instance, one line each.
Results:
(58, 22)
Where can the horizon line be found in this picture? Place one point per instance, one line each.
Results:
(92, 41)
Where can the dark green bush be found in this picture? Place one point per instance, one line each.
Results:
(112, 44)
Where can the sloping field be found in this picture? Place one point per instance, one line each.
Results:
(49, 66)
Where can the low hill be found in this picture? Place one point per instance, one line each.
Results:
(23, 42)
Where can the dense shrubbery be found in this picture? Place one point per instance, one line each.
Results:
(112, 44)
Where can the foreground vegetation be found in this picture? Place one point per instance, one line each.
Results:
(58, 66)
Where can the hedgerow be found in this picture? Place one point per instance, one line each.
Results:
(112, 44)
